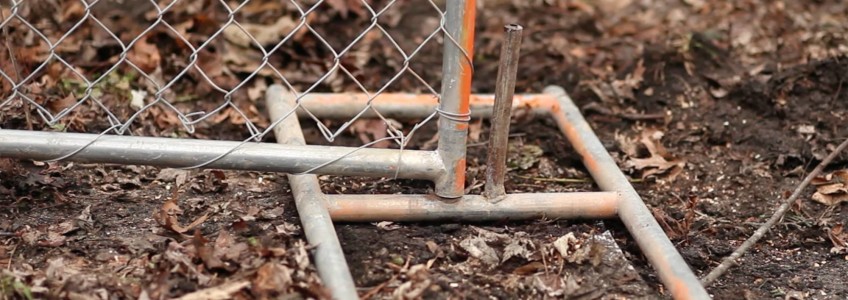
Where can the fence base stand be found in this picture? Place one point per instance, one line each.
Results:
(673, 270)
(619, 199)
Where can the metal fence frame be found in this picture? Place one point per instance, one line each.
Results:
(445, 166)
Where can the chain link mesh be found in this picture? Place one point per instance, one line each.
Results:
(193, 69)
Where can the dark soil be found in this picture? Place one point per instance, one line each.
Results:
(750, 95)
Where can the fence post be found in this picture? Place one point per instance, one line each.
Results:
(454, 112)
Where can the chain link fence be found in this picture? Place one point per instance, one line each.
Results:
(195, 69)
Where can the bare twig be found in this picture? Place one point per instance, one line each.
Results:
(778, 214)
(11, 257)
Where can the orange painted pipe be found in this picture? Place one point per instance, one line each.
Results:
(669, 264)
(472, 208)
(413, 106)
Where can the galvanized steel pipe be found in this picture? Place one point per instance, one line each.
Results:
(310, 202)
(177, 153)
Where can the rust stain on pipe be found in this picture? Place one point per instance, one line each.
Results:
(467, 68)
(542, 101)
(405, 208)
(664, 257)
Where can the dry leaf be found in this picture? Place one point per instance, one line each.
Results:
(523, 156)
(206, 254)
(346, 6)
(529, 268)
(387, 226)
(272, 277)
(167, 217)
(660, 162)
(831, 189)
(518, 246)
(565, 244)
(179, 176)
(624, 88)
(839, 237)
(477, 248)
(263, 34)
(145, 55)
(224, 291)
(369, 130)
(226, 248)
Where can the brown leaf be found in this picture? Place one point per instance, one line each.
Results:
(346, 6)
(206, 253)
(245, 35)
(272, 277)
(625, 88)
(224, 291)
(831, 189)
(145, 55)
(479, 249)
(369, 130)
(660, 162)
(226, 248)
(59, 104)
(168, 214)
(528, 269)
(839, 237)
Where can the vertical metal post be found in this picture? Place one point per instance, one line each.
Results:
(454, 112)
(310, 202)
(501, 113)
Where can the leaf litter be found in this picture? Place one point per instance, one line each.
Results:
(831, 189)
(659, 163)
(622, 29)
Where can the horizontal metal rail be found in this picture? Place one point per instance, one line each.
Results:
(411, 106)
(177, 153)
(472, 208)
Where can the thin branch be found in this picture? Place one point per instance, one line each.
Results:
(730, 260)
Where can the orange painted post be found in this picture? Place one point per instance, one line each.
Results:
(454, 110)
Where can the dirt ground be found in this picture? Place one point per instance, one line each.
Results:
(715, 110)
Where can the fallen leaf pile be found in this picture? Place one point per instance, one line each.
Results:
(543, 266)
(832, 188)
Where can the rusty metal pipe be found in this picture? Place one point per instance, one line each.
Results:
(472, 208)
(669, 264)
(501, 112)
(317, 224)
